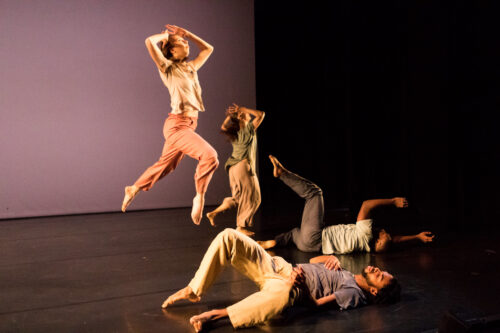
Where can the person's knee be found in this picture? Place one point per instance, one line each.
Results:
(314, 191)
(309, 247)
(227, 235)
(211, 156)
(309, 243)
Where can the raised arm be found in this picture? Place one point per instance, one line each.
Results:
(369, 205)
(155, 52)
(258, 115)
(205, 48)
(424, 237)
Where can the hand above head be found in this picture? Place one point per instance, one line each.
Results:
(233, 110)
(332, 263)
(425, 236)
(175, 30)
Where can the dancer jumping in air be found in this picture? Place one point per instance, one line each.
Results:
(241, 130)
(169, 51)
(312, 235)
(320, 282)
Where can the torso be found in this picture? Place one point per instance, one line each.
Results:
(181, 79)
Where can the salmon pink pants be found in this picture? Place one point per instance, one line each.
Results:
(181, 139)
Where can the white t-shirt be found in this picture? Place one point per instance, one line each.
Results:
(347, 238)
(184, 87)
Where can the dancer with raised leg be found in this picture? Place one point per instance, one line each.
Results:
(241, 130)
(280, 284)
(170, 50)
(312, 236)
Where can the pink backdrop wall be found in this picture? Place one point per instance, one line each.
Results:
(82, 106)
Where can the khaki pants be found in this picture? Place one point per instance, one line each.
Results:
(245, 191)
(271, 274)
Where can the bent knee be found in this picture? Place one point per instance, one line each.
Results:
(211, 157)
(227, 233)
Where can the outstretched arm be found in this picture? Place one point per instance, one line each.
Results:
(205, 48)
(369, 205)
(424, 237)
(154, 51)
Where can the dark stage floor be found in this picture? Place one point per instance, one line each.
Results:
(111, 272)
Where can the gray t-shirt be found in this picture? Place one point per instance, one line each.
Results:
(244, 147)
(347, 238)
(323, 282)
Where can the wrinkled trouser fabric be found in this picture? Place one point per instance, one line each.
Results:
(245, 191)
(271, 274)
(307, 238)
(181, 139)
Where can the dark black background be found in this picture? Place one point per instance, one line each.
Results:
(379, 99)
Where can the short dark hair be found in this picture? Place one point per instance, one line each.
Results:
(387, 295)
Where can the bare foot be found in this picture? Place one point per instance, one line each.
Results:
(130, 193)
(197, 210)
(211, 216)
(198, 321)
(400, 202)
(185, 293)
(278, 168)
(245, 231)
(268, 244)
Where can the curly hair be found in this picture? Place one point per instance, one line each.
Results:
(231, 131)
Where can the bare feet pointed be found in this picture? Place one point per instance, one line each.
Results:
(197, 210)
(278, 168)
(185, 293)
(211, 217)
(130, 193)
(400, 202)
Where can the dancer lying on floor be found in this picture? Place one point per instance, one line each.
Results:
(312, 236)
(280, 284)
(241, 130)
(170, 50)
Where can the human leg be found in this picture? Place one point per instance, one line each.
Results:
(227, 204)
(233, 248)
(193, 145)
(307, 238)
(249, 197)
(261, 306)
(168, 161)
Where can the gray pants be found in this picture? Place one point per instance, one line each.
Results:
(307, 238)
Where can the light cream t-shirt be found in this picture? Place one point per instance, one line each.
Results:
(347, 238)
(184, 87)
